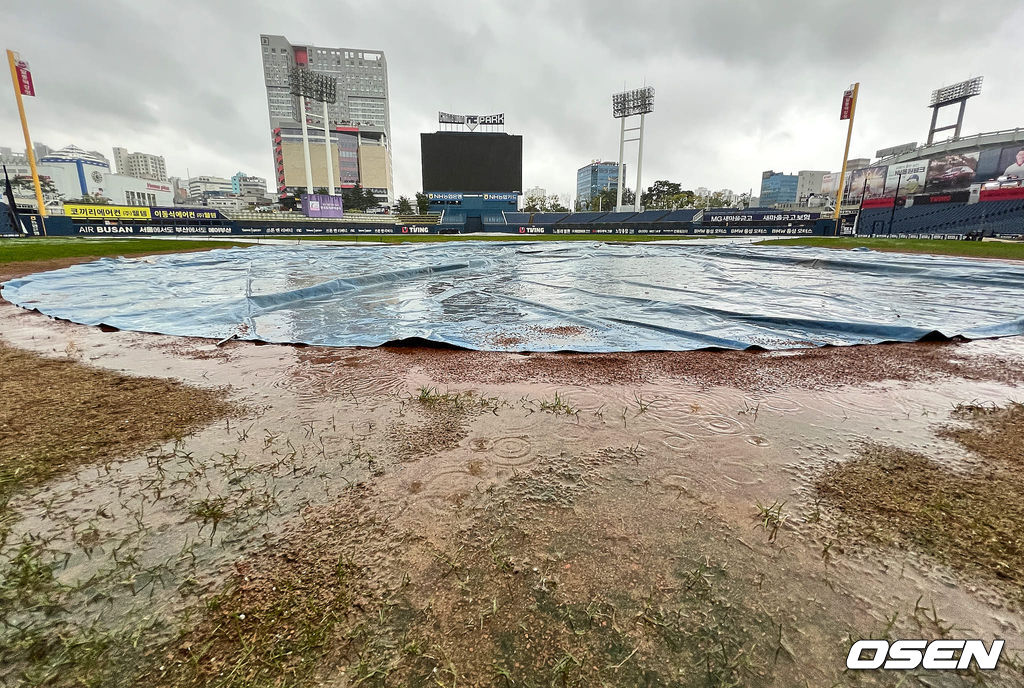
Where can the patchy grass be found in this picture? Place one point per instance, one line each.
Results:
(944, 247)
(58, 415)
(37, 248)
(504, 599)
(557, 405)
(971, 521)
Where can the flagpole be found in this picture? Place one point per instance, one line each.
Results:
(28, 139)
(846, 156)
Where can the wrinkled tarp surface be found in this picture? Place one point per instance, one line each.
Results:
(540, 296)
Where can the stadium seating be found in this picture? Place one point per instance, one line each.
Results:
(517, 218)
(454, 217)
(679, 216)
(492, 217)
(430, 219)
(580, 218)
(617, 217)
(548, 218)
(990, 217)
(277, 216)
(645, 216)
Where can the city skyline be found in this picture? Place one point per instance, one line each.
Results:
(202, 104)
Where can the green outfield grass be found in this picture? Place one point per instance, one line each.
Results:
(37, 248)
(418, 238)
(976, 249)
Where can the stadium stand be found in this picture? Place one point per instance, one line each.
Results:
(517, 218)
(679, 216)
(492, 218)
(430, 219)
(277, 216)
(580, 218)
(454, 217)
(990, 217)
(615, 217)
(646, 216)
(548, 218)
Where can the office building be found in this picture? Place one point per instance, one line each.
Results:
(594, 178)
(141, 165)
(808, 183)
(359, 123)
(206, 186)
(777, 188)
(243, 184)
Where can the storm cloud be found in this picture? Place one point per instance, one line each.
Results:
(741, 87)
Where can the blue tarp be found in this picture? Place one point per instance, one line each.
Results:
(541, 296)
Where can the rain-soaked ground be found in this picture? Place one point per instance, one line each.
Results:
(425, 517)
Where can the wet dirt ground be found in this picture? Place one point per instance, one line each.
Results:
(426, 517)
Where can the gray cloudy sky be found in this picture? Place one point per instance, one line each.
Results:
(741, 86)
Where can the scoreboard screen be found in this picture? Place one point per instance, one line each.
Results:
(470, 161)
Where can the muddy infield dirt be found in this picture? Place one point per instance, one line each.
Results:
(419, 517)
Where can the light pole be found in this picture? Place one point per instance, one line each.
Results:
(305, 83)
(639, 101)
(895, 198)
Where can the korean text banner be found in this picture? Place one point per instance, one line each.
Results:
(113, 212)
(25, 85)
(909, 176)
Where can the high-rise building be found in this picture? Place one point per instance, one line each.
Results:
(359, 123)
(808, 184)
(141, 165)
(594, 178)
(777, 188)
(243, 184)
(206, 186)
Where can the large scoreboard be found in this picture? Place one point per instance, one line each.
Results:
(471, 161)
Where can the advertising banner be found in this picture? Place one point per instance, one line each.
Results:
(322, 205)
(110, 212)
(25, 85)
(830, 183)
(909, 175)
(711, 216)
(867, 182)
(444, 196)
(844, 111)
(954, 171)
(1011, 162)
(186, 214)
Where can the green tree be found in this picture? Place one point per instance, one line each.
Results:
(23, 184)
(369, 200)
(552, 204)
(404, 205)
(534, 203)
(659, 194)
(321, 190)
(715, 200)
(422, 203)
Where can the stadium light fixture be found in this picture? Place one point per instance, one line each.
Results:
(956, 92)
(305, 83)
(639, 101)
(952, 95)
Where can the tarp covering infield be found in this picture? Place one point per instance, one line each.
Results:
(540, 296)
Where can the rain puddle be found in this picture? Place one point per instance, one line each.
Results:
(529, 523)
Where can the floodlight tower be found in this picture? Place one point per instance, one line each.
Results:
(305, 83)
(639, 101)
(951, 95)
